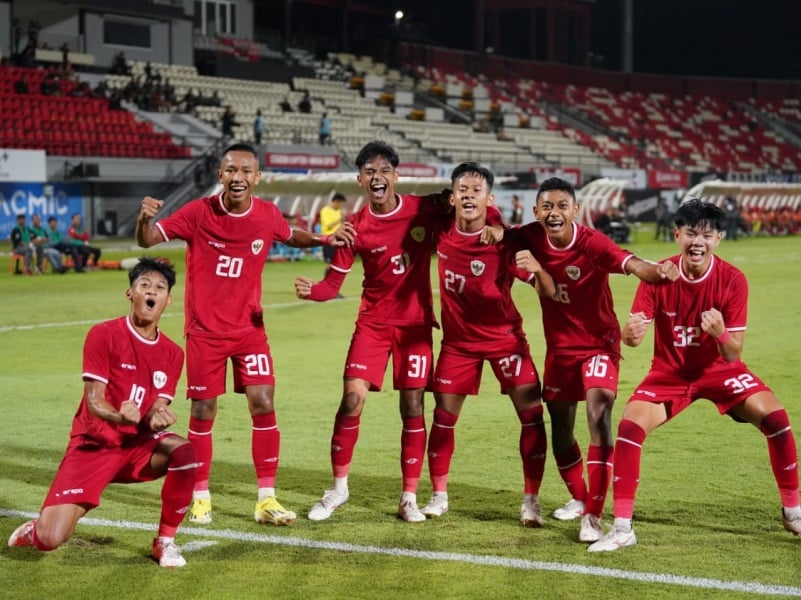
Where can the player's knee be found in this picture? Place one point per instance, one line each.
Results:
(183, 456)
(48, 535)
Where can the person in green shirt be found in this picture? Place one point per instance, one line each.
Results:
(42, 247)
(21, 243)
(58, 242)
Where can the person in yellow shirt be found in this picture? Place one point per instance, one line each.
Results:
(331, 218)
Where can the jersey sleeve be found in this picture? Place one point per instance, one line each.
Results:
(96, 355)
(644, 300)
(735, 311)
(182, 224)
(282, 232)
(174, 367)
(607, 255)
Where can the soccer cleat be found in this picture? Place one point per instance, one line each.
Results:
(591, 530)
(330, 501)
(437, 506)
(791, 524)
(530, 514)
(200, 513)
(572, 510)
(616, 539)
(408, 511)
(167, 553)
(269, 510)
(23, 535)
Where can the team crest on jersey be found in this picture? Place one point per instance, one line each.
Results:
(477, 267)
(256, 246)
(418, 233)
(159, 379)
(573, 272)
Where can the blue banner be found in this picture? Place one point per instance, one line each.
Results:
(46, 199)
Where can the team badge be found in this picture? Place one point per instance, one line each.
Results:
(159, 379)
(573, 272)
(256, 246)
(477, 267)
(418, 233)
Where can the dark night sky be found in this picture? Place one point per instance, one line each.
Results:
(725, 38)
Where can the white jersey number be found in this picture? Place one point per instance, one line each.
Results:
(511, 365)
(740, 383)
(597, 366)
(686, 336)
(401, 263)
(228, 266)
(418, 366)
(561, 293)
(257, 364)
(454, 282)
(137, 395)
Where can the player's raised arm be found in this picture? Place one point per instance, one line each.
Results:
(634, 330)
(146, 234)
(344, 236)
(651, 271)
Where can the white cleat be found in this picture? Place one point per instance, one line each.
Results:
(437, 506)
(572, 510)
(591, 530)
(792, 524)
(167, 553)
(408, 511)
(530, 513)
(616, 539)
(330, 501)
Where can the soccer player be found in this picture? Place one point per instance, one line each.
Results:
(396, 317)
(480, 322)
(582, 337)
(228, 238)
(699, 324)
(119, 433)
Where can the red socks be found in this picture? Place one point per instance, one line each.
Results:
(176, 493)
(265, 446)
(413, 449)
(200, 436)
(628, 452)
(533, 448)
(571, 470)
(441, 444)
(599, 474)
(783, 455)
(343, 441)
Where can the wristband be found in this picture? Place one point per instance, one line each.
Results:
(723, 337)
(324, 240)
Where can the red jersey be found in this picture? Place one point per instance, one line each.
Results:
(681, 347)
(475, 283)
(225, 257)
(583, 319)
(133, 368)
(395, 249)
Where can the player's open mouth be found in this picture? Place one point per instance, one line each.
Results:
(468, 207)
(555, 224)
(378, 190)
(150, 303)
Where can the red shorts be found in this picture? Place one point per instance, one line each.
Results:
(568, 377)
(411, 349)
(86, 470)
(726, 386)
(207, 358)
(459, 372)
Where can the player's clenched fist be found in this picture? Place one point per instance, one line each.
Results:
(150, 206)
(303, 286)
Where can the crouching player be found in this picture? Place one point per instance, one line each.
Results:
(119, 432)
(700, 323)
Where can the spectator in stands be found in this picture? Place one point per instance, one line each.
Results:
(304, 105)
(285, 105)
(120, 65)
(80, 239)
(42, 247)
(21, 237)
(258, 127)
(21, 85)
(58, 242)
(228, 123)
(325, 129)
(50, 85)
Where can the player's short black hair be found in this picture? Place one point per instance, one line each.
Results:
(377, 148)
(239, 147)
(339, 196)
(556, 184)
(51, 219)
(694, 212)
(147, 264)
(473, 168)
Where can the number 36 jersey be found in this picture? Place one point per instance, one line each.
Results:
(225, 257)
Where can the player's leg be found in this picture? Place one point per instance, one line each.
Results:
(412, 358)
(568, 457)
(441, 446)
(599, 460)
(205, 378)
(54, 526)
(174, 459)
(638, 420)
(533, 447)
(764, 411)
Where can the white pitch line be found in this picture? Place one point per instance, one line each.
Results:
(746, 587)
